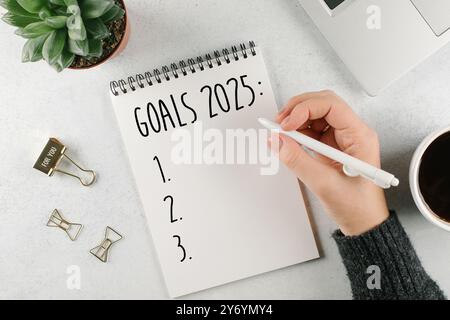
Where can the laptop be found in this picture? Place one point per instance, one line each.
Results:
(381, 40)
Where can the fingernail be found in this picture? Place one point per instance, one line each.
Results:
(280, 143)
(285, 121)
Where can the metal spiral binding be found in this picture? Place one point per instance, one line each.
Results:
(182, 68)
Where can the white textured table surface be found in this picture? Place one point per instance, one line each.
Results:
(36, 103)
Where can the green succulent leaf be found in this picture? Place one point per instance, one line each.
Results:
(73, 9)
(17, 20)
(69, 3)
(32, 50)
(54, 45)
(96, 29)
(13, 7)
(95, 8)
(60, 11)
(44, 13)
(58, 2)
(57, 66)
(64, 60)
(95, 48)
(76, 28)
(60, 30)
(79, 47)
(112, 14)
(56, 22)
(34, 30)
(32, 6)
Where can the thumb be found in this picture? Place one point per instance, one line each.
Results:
(314, 174)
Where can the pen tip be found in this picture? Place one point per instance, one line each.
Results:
(395, 182)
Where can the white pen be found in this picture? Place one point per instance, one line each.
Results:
(352, 167)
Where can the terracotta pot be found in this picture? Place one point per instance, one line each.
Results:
(119, 48)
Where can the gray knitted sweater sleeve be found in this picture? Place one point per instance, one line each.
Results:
(382, 264)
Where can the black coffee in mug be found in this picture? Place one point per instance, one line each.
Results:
(434, 176)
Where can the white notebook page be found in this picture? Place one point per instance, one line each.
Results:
(212, 223)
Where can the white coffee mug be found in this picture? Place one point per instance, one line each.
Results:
(414, 180)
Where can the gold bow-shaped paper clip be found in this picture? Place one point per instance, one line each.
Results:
(51, 156)
(57, 220)
(102, 251)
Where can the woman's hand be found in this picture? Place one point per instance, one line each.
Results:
(356, 204)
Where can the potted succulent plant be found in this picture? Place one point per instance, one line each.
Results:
(74, 34)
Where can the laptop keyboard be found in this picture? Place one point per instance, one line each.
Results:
(436, 13)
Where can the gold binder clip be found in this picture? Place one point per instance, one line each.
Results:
(57, 220)
(50, 157)
(102, 251)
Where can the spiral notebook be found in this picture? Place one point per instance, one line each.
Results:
(217, 212)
